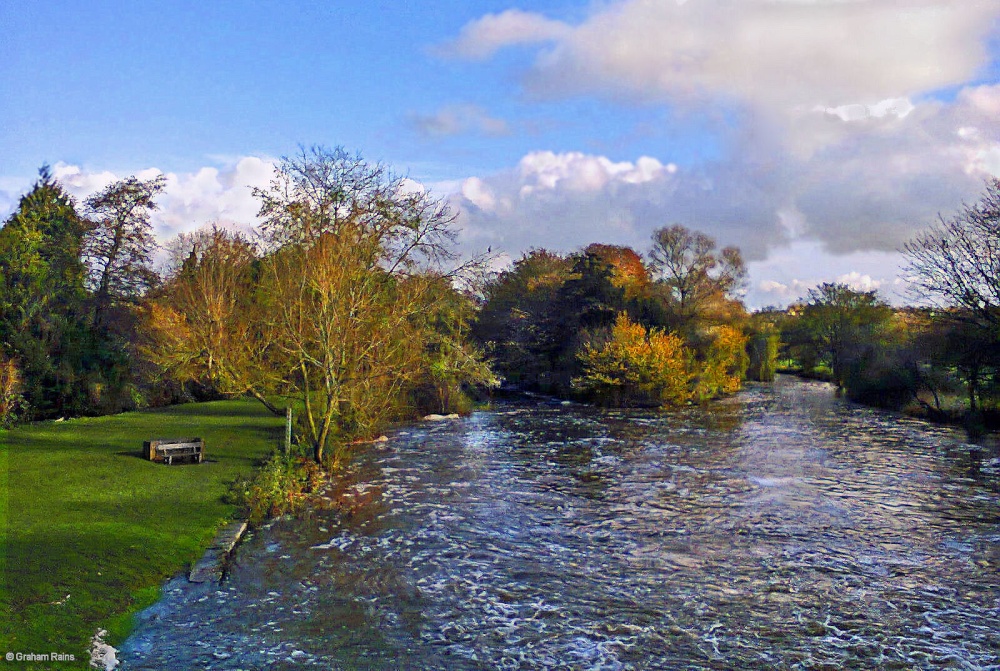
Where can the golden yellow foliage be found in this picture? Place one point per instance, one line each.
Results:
(11, 386)
(636, 365)
(725, 364)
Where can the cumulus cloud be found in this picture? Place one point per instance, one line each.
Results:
(780, 53)
(81, 183)
(189, 200)
(877, 179)
(483, 37)
(859, 281)
(459, 120)
(779, 294)
(789, 273)
(832, 137)
(563, 201)
(881, 180)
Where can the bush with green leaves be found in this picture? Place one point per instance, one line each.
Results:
(278, 487)
(724, 365)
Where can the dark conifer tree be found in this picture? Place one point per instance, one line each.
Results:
(43, 298)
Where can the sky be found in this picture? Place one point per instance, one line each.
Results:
(816, 135)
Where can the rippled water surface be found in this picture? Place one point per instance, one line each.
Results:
(781, 528)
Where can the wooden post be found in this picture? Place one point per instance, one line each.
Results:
(288, 429)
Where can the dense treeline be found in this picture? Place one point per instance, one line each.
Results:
(345, 306)
(941, 360)
(927, 361)
(606, 325)
(69, 282)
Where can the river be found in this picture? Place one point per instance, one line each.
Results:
(781, 528)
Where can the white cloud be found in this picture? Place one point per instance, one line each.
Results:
(576, 171)
(483, 37)
(411, 186)
(872, 184)
(891, 107)
(779, 53)
(79, 182)
(458, 120)
(562, 201)
(880, 181)
(189, 200)
(771, 292)
(475, 191)
(790, 272)
(211, 195)
(859, 281)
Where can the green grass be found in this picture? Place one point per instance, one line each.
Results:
(86, 516)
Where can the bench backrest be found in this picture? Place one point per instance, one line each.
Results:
(153, 453)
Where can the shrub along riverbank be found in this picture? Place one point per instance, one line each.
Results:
(92, 530)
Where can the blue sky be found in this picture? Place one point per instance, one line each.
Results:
(818, 136)
(118, 85)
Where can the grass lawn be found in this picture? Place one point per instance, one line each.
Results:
(90, 530)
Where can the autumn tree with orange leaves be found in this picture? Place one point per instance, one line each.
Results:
(333, 312)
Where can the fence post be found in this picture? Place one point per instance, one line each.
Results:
(288, 429)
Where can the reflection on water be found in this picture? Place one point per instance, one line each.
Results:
(781, 528)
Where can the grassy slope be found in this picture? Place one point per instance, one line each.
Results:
(87, 517)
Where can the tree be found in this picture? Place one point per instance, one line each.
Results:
(120, 244)
(839, 323)
(549, 317)
(11, 386)
(207, 323)
(518, 322)
(538, 314)
(956, 265)
(324, 191)
(627, 271)
(636, 366)
(42, 299)
(337, 313)
(693, 274)
(723, 366)
(50, 212)
(763, 344)
(342, 330)
(451, 361)
(353, 259)
(957, 262)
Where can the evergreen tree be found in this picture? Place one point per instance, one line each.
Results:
(42, 298)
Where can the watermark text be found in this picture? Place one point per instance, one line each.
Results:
(39, 657)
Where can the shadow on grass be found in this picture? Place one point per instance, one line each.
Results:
(215, 409)
(227, 441)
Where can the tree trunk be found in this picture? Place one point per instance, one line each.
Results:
(973, 389)
(273, 409)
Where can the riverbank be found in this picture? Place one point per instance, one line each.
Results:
(92, 530)
(952, 411)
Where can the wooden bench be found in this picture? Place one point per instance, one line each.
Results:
(167, 449)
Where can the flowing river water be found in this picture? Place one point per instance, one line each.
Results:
(782, 528)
